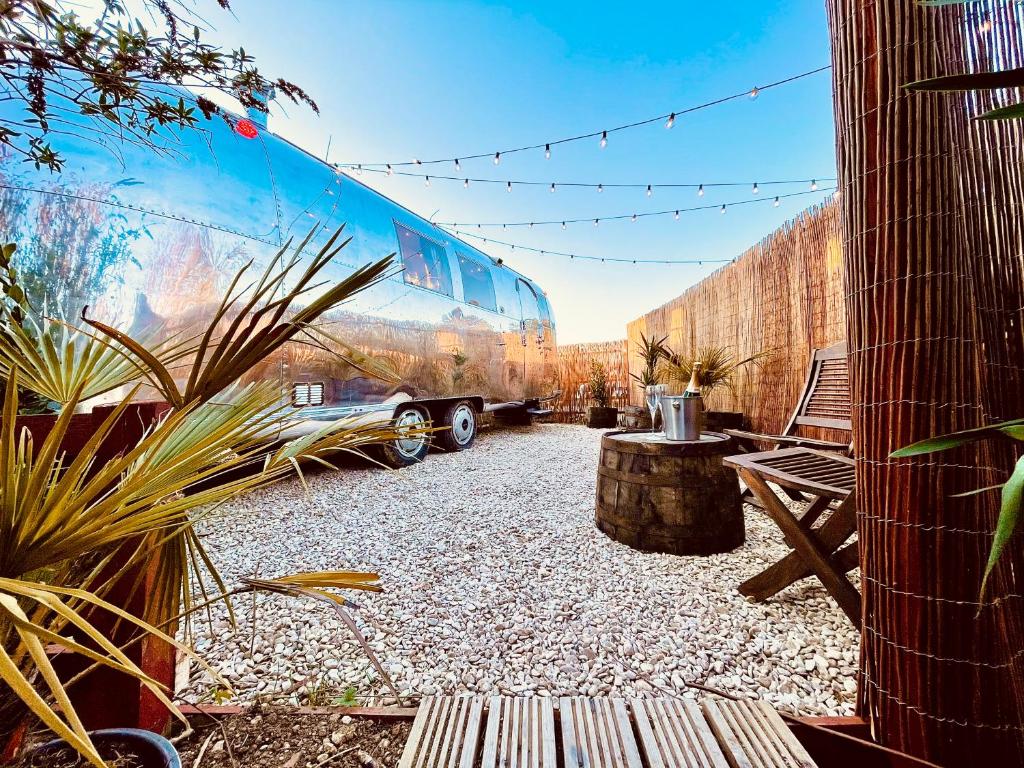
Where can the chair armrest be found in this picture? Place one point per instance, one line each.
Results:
(792, 441)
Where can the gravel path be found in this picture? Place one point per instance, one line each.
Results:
(497, 580)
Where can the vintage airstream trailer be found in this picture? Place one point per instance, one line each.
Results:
(151, 240)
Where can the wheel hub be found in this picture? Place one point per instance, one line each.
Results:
(463, 424)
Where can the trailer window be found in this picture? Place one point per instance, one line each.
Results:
(424, 260)
(477, 284)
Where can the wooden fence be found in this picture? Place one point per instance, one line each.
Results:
(784, 295)
(574, 372)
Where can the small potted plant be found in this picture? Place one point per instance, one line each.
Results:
(600, 415)
(717, 371)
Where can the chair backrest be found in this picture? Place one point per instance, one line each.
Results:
(825, 401)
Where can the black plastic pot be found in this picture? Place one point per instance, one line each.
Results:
(152, 749)
(602, 418)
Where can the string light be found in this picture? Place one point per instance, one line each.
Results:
(552, 186)
(508, 187)
(585, 185)
(465, 183)
(600, 187)
(723, 207)
(390, 171)
(596, 222)
(603, 134)
(634, 217)
(814, 185)
(359, 170)
(671, 121)
(755, 190)
(776, 203)
(547, 151)
(700, 191)
(458, 167)
(416, 162)
(670, 212)
(604, 139)
(677, 216)
(986, 25)
(426, 181)
(649, 191)
(611, 259)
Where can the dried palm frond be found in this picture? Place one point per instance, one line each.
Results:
(258, 324)
(717, 367)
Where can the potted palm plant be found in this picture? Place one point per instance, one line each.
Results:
(717, 369)
(600, 415)
(652, 351)
(83, 534)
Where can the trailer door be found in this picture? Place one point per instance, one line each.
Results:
(530, 328)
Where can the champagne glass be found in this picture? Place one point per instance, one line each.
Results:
(653, 393)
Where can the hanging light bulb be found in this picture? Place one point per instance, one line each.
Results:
(359, 170)
(814, 185)
(723, 207)
(426, 181)
(563, 225)
(677, 216)
(457, 166)
(634, 217)
(417, 162)
(754, 91)
(465, 183)
(497, 157)
(531, 225)
(390, 170)
(600, 187)
(986, 25)
(776, 203)
(700, 191)
(547, 151)
(649, 190)
(604, 139)
(671, 121)
(595, 222)
(755, 190)
(508, 186)
(552, 187)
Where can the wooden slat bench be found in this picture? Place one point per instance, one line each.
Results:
(598, 733)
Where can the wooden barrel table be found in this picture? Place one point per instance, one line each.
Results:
(674, 497)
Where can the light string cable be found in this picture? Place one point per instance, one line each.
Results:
(674, 212)
(554, 185)
(614, 259)
(669, 120)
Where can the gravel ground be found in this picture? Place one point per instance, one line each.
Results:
(496, 580)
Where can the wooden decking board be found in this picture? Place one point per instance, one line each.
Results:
(599, 733)
(754, 736)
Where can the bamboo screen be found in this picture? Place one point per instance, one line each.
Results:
(934, 237)
(574, 372)
(784, 295)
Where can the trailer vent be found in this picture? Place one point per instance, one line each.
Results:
(307, 393)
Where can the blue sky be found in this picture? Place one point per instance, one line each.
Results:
(397, 80)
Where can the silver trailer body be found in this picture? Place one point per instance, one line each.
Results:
(152, 239)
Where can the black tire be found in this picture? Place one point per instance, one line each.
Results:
(460, 422)
(404, 453)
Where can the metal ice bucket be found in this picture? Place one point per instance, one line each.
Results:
(683, 417)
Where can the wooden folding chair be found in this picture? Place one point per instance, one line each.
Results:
(810, 470)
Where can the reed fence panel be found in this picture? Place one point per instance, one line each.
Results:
(783, 294)
(931, 205)
(574, 362)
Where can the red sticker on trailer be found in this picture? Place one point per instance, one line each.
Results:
(247, 129)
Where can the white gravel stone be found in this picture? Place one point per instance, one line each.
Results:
(496, 579)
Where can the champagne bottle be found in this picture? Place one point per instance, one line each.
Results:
(693, 388)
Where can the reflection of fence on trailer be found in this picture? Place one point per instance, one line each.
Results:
(574, 376)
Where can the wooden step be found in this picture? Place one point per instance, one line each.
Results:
(752, 735)
(445, 733)
(520, 733)
(596, 734)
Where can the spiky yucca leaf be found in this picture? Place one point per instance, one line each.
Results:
(717, 367)
(54, 358)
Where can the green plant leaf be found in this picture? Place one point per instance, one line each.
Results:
(1011, 112)
(971, 81)
(1014, 431)
(953, 439)
(1009, 516)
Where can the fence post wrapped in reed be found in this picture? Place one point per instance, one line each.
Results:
(931, 207)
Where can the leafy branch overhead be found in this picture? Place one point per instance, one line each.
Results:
(114, 72)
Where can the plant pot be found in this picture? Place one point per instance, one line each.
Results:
(601, 417)
(716, 421)
(152, 751)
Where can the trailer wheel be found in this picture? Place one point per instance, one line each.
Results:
(409, 450)
(460, 418)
